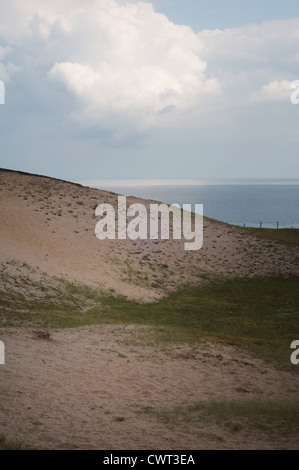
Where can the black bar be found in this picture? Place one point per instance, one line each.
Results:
(140, 458)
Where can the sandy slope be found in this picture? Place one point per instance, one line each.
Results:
(48, 226)
(106, 387)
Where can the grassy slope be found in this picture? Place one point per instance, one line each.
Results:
(259, 314)
(269, 420)
(286, 236)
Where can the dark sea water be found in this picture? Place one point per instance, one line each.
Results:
(237, 202)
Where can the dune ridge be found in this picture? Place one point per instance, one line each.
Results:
(93, 362)
(48, 231)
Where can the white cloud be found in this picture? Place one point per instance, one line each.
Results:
(134, 62)
(246, 58)
(5, 69)
(122, 64)
(253, 43)
(273, 91)
(117, 59)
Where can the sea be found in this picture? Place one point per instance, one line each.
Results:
(266, 203)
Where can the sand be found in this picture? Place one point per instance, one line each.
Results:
(48, 227)
(106, 387)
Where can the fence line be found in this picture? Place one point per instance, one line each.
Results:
(294, 227)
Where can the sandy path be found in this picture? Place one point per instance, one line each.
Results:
(89, 388)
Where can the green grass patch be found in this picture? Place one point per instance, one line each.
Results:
(286, 236)
(269, 417)
(260, 315)
(12, 444)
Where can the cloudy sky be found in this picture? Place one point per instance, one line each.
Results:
(168, 88)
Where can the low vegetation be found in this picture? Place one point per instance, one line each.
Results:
(286, 236)
(12, 444)
(259, 314)
(268, 417)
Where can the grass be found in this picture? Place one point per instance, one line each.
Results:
(269, 417)
(286, 236)
(258, 314)
(12, 444)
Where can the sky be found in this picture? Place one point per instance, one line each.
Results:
(161, 89)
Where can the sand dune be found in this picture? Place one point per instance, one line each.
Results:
(48, 226)
(114, 386)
